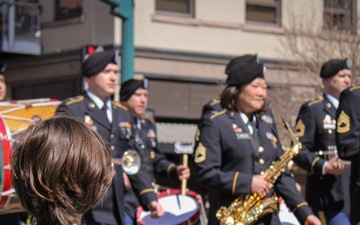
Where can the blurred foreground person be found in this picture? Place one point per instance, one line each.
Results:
(327, 184)
(60, 168)
(348, 143)
(236, 146)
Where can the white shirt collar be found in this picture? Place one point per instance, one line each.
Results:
(98, 102)
(244, 117)
(334, 101)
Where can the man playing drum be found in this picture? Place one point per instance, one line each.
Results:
(134, 95)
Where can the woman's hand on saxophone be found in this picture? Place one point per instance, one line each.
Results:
(312, 220)
(259, 185)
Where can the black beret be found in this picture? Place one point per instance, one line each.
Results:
(2, 68)
(96, 62)
(333, 66)
(244, 73)
(129, 87)
(241, 59)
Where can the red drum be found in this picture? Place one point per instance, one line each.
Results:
(179, 210)
(9, 202)
(16, 116)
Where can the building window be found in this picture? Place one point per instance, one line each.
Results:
(339, 15)
(263, 11)
(183, 8)
(68, 9)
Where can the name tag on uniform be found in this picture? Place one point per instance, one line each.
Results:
(243, 135)
(329, 126)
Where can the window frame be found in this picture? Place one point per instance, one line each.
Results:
(191, 13)
(276, 6)
(61, 17)
(328, 11)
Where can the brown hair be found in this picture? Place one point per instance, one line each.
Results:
(229, 97)
(60, 168)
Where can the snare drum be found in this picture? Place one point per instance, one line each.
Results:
(16, 116)
(179, 210)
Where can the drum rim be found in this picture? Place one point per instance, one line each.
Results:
(194, 218)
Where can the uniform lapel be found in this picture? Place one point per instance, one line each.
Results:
(234, 115)
(329, 108)
(95, 113)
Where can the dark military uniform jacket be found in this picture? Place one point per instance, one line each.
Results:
(348, 142)
(119, 136)
(152, 159)
(228, 156)
(316, 129)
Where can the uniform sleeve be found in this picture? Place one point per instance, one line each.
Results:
(286, 188)
(141, 182)
(162, 165)
(305, 129)
(348, 126)
(208, 160)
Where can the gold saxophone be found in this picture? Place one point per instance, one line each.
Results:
(247, 209)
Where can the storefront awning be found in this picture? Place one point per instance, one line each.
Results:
(176, 137)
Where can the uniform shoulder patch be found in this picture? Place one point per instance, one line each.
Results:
(76, 99)
(300, 128)
(355, 87)
(343, 123)
(218, 114)
(147, 118)
(215, 101)
(197, 135)
(119, 105)
(316, 100)
(200, 153)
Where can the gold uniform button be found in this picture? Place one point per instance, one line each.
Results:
(112, 136)
(112, 147)
(261, 149)
(330, 131)
(261, 161)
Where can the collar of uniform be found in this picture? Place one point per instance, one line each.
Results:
(334, 101)
(245, 119)
(98, 102)
(137, 122)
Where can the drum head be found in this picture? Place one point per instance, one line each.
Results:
(178, 210)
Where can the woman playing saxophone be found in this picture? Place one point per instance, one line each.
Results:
(238, 144)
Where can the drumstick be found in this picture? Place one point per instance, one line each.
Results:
(184, 181)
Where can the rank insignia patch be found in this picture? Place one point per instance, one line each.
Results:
(200, 154)
(300, 128)
(343, 123)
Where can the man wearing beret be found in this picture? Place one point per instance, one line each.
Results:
(327, 186)
(348, 143)
(235, 149)
(113, 122)
(134, 95)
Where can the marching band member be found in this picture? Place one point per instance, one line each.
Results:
(327, 183)
(236, 147)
